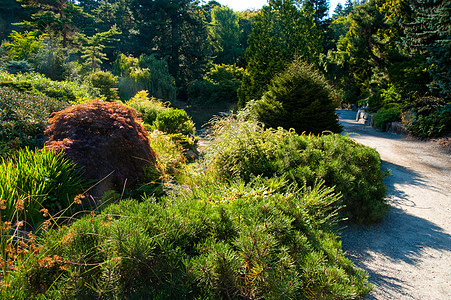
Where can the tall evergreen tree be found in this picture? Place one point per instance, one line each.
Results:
(430, 33)
(53, 17)
(173, 30)
(281, 31)
(320, 9)
(338, 11)
(224, 34)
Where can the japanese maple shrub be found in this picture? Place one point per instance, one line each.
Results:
(106, 139)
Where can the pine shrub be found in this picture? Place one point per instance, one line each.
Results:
(243, 149)
(105, 138)
(213, 241)
(298, 98)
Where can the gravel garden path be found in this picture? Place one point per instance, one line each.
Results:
(407, 255)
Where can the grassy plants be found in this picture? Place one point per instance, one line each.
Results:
(243, 149)
(240, 241)
(37, 181)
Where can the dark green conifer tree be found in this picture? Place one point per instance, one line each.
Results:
(430, 33)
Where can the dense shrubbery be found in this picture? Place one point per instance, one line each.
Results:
(106, 139)
(386, 115)
(31, 181)
(220, 85)
(261, 240)
(243, 149)
(428, 117)
(159, 116)
(104, 85)
(23, 117)
(61, 90)
(145, 73)
(298, 98)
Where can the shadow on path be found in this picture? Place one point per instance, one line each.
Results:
(401, 238)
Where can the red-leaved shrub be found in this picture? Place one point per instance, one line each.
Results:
(106, 139)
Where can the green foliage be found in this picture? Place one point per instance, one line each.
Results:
(385, 115)
(174, 31)
(104, 84)
(430, 117)
(21, 66)
(298, 98)
(51, 61)
(36, 180)
(148, 108)
(243, 149)
(224, 34)
(64, 91)
(92, 47)
(220, 85)
(146, 73)
(170, 159)
(159, 116)
(280, 32)
(429, 32)
(23, 117)
(174, 121)
(52, 17)
(24, 46)
(213, 241)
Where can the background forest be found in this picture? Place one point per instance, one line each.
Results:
(106, 191)
(390, 55)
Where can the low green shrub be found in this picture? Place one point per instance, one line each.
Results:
(31, 180)
(174, 121)
(62, 90)
(386, 115)
(148, 108)
(170, 158)
(104, 84)
(159, 116)
(214, 241)
(431, 117)
(298, 98)
(243, 149)
(21, 66)
(24, 116)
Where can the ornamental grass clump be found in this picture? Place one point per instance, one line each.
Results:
(36, 181)
(244, 149)
(265, 240)
(107, 140)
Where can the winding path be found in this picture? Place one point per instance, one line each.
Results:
(407, 255)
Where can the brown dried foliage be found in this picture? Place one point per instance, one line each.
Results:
(102, 137)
